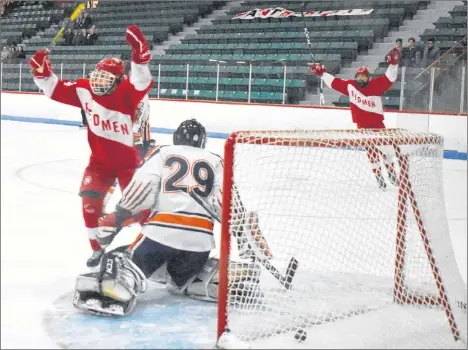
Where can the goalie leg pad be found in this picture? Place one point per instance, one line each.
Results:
(88, 297)
(205, 284)
(244, 276)
(112, 291)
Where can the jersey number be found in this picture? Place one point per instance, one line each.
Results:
(201, 171)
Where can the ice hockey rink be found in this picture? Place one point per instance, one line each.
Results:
(44, 247)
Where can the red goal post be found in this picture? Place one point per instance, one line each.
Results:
(338, 151)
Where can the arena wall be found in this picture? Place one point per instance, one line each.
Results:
(221, 118)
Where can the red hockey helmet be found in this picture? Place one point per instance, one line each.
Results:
(362, 76)
(106, 76)
(362, 70)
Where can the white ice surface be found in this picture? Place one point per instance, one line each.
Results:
(43, 241)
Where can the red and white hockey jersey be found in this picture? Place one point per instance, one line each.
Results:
(161, 184)
(110, 117)
(366, 102)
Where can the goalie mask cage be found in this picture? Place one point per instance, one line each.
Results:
(376, 267)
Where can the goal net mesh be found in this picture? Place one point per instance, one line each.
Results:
(376, 267)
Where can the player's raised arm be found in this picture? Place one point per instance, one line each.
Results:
(63, 91)
(334, 83)
(381, 84)
(141, 79)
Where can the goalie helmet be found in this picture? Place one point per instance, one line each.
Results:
(190, 133)
(106, 76)
(362, 76)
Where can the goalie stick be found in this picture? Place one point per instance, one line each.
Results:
(256, 239)
(306, 33)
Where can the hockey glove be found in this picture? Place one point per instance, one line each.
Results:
(40, 64)
(393, 57)
(140, 50)
(318, 69)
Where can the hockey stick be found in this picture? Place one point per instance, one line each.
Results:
(306, 33)
(285, 280)
(72, 19)
(205, 205)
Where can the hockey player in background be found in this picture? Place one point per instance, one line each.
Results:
(179, 232)
(110, 100)
(141, 128)
(365, 96)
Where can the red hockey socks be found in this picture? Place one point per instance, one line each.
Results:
(92, 211)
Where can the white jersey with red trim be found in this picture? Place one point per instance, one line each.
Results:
(162, 183)
(110, 117)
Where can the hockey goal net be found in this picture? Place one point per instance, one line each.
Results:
(336, 260)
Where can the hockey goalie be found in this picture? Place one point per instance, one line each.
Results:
(178, 233)
(110, 100)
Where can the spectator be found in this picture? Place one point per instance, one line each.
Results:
(84, 21)
(92, 36)
(411, 55)
(68, 36)
(6, 53)
(431, 53)
(398, 43)
(20, 52)
(80, 37)
(5, 5)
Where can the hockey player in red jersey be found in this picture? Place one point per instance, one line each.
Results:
(110, 100)
(365, 96)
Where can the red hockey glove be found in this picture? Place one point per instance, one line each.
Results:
(393, 57)
(140, 50)
(40, 64)
(318, 69)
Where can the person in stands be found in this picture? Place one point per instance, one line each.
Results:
(411, 55)
(431, 53)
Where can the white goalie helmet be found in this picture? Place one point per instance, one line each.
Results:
(106, 76)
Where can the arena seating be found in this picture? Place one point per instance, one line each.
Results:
(156, 19)
(267, 44)
(336, 42)
(26, 20)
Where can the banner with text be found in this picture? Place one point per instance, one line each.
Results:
(279, 12)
